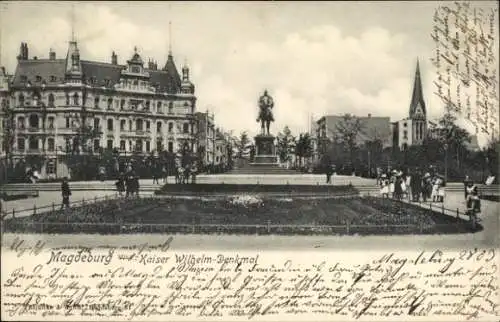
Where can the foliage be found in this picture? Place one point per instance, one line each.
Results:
(242, 144)
(285, 144)
(303, 147)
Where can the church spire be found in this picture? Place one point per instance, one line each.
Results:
(170, 38)
(417, 105)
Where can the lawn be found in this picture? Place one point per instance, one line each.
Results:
(242, 214)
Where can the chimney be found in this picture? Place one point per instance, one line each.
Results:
(25, 53)
(52, 54)
(35, 57)
(369, 115)
(114, 59)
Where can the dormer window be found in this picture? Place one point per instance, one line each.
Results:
(53, 78)
(38, 78)
(107, 82)
(135, 69)
(24, 78)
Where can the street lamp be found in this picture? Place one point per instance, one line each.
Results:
(445, 162)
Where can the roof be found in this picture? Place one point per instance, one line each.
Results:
(167, 80)
(45, 68)
(372, 127)
(417, 95)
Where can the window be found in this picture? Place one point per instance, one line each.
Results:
(170, 127)
(130, 125)
(53, 78)
(170, 147)
(148, 146)
(158, 107)
(138, 145)
(122, 104)
(96, 102)
(97, 145)
(20, 122)
(51, 100)
(34, 120)
(38, 78)
(130, 145)
(51, 122)
(110, 124)
(170, 108)
(135, 69)
(33, 143)
(159, 146)
(96, 123)
(405, 134)
(138, 125)
(67, 123)
(148, 125)
(110, 102)
(404, 124)
(51, 144)
(122, 125)
(67, 99)
(147, 106)
(122, 145)
(24, 78)
(109, 145)
(185, 128)
(51, 167)
(21, 100)
(158, 127)
(20, 144)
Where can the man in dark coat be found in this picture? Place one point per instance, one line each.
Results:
(66, 192)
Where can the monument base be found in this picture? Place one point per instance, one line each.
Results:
(265, 151)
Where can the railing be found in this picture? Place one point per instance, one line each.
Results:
(199, 228)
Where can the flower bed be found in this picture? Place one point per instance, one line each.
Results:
(242, 214)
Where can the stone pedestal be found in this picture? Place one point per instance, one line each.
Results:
(265, 151)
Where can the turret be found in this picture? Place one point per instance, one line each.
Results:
(114, 58)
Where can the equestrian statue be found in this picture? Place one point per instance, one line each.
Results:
(265, 118)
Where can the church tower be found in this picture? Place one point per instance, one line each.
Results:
(418, 113)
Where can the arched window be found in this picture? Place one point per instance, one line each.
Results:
(170, 108)
(110, 103)
(110, 124)
(51, 100)
(185, 127)
(75, 99)
(96, 102)
(34, 120)
(170, 127)
(158, 107)
(158, 127)
(20, 122)
(21, 99)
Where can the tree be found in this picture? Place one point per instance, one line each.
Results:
(346, 134)
(303, 147)
(285, 144)
(242, 144)
(9, 128)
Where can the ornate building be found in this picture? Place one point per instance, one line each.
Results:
(412, 130)
(70, 105)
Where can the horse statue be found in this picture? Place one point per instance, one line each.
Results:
(265, 118)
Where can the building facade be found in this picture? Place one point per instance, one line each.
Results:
(70, 105)
(413, 129)
(206, 136)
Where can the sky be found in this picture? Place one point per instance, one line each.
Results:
(314, 58)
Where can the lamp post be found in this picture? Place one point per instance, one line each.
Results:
(445, 162)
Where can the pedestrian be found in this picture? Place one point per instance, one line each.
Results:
(466, 183)
(155, 175)
(194, 171)
(328, 172)
(136, 185)
(120, 184)
(66, 192)
(129, 189)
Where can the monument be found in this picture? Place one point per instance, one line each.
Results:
(265, 149)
